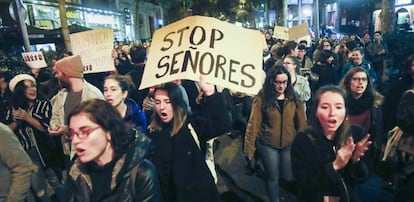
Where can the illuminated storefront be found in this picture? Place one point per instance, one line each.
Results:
(404, 10)
(45, 15)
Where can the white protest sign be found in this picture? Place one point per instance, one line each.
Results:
(95, 48)
(227, 55)
(292, 34)
(34, 59)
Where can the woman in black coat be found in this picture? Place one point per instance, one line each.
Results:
(325, 159)
(178, 137)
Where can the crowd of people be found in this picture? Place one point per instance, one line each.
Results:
(319, 127)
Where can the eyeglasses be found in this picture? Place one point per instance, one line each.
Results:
(359, 79)
(288, 63)
(82, 133)
(276, 82)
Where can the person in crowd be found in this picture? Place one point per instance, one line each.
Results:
(270, 42)
(29, 118)
(358, 60)
(333, 39)
(366, 40)
(326, 161)
(122, 59)
(276, 53)
(111, 164)
(402, 164)
(305, 62)
(290, 48)
(405, 121)
(74, 89)
(365, 111)
(344, 54)
(376, 52)
(324, 68)
(323, 45)
(276, 115)
(398, 86)
(353, 41)
(5, 77)
(138, 58)
(116, 90)
(300, 84)
(180, 137)
(16, 167)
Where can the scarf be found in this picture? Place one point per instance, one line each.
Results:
(358, 106)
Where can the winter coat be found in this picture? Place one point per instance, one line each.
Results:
(312, 162)
(273, 128)
(135, 116)
(181, 166)
(15, 167)
(144, 187)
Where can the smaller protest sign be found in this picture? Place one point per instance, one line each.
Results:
(95, 48)
(34, 59)
(292, 34)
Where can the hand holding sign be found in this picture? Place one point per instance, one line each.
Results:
(199, 45)
(207, 88)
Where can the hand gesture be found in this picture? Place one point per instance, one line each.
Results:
(344, 154)
(20, 114)
(360, 148)
(207, 88)
(58, 130)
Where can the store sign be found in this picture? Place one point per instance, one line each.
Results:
(402, 2)
(34, 59)
(95, 48)
(226, 55)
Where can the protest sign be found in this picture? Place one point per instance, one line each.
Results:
(95, 48)
(293, 34)
(34, 59)
(226, 55)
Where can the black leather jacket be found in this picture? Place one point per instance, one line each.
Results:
(146, 186)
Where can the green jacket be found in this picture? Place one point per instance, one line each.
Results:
(273, 128)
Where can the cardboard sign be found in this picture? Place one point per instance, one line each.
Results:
(95, 48)
(292, 34)
(227, 55)
(34, 59)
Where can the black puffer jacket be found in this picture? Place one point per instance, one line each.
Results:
(146, 188)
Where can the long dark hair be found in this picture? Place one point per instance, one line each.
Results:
(269, 92)
(17, 100)
(179, 108)
(110, 120)
(344, 131)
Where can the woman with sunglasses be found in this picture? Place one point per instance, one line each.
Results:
(276, 115)
(110, 164)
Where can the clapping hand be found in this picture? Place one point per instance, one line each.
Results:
(344, 154)
(20, 114)
(360, 148)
